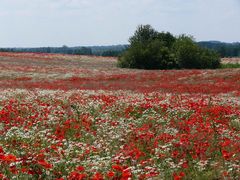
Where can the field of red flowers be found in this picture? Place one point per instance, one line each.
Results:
(81, 117)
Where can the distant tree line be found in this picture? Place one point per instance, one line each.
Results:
(114, 50)
(63, 50)
(224, 49)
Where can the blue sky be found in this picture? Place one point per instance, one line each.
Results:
(33, 23)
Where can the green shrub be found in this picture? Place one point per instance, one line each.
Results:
(152, 56)
(150, 49)
(190, 55)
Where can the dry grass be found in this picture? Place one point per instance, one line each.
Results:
(230, 60)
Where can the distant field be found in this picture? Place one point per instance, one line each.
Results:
(231, 60)
(81, 117)
(66, 72)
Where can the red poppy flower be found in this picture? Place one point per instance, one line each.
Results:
(45, 164)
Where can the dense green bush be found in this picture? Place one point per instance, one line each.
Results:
(150, 49)
(190, 55)
(152, 56)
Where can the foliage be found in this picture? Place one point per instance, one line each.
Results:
(150, 49)
(223, 49)
(112, 53)
(83, 51)
(143, 35)
(190, 55)
(113, 50)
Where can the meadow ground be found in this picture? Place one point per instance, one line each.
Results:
(81, 117)
(231, 60)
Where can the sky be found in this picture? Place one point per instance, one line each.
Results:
(37, 23)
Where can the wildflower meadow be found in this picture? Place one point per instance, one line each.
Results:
(81, 117)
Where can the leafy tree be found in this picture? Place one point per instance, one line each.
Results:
(209, 59)
(143, 35)
(150, 49)
(187, 52)
(167, 38)
(190, 55)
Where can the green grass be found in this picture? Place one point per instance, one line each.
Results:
(229, 65)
